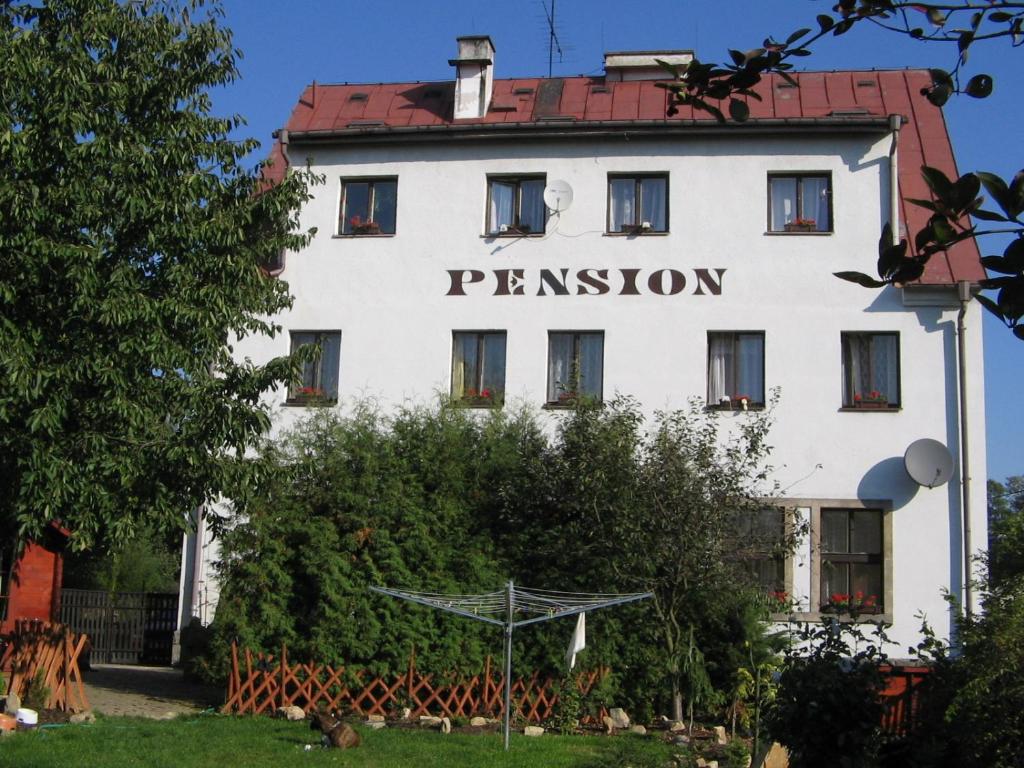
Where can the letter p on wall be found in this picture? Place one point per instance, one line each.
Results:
(460, 278)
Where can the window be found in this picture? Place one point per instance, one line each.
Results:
(319, 381)
(799, 202)
(515, 206)
(638, 203)
(871, 370)
(368, 206)
(735, 369)
(7, 554)
(575, 366)
(761, 536)
(478, 367)
(851, 561)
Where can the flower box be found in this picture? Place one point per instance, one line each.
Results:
(871, 405)
(358, 226)
(870, 400)
(483, 399)
(801, 226)
(855, 604)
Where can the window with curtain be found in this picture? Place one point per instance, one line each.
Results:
(761, 537)
(515, 206)
(735, 369)
(575, 366)
(799, 202)
(638, 204)
(368, 206)
(318, 382)
(851, 561)
(871, 370)
(478, 368)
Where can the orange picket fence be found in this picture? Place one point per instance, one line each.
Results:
(262, 682)
(50, 651)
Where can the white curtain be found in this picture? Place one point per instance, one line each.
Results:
(814, 201)
(872, 362)
(591, 364)
(720, 366)
(783, 202)
(502, 205)
(560, 358)
(622, 204)
(652, 194)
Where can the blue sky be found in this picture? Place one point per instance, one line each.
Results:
(288, 43)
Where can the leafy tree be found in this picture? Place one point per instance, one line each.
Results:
(661, 510)
(131, 238)
(146, 562)
(962, 23)
(1005, 530)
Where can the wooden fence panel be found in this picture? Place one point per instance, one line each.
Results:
(262, 683)
(902, 697)
(125, 627)
(52, 651)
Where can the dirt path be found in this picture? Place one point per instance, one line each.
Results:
(154, 692)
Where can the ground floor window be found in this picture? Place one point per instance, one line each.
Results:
(851, 561)
(478, 367)
(761, 537)
(575, 366)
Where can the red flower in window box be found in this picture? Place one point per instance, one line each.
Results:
(360, 226)
(872, 399)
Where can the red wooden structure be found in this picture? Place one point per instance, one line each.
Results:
(30, 589)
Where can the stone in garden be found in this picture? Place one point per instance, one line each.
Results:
(446, 725)
(292, 713)
(533, 730)
(406, 713)
(427, 721)
(375, 718)
(712, 764)
(609, 725)
(681, 741)
(702, 763)
(478, 722)
(82, 717)
(377, 724)
(620, 717)
(13, 703)
(677, 726)
(777, 757)
(720, 736)
(639, 730)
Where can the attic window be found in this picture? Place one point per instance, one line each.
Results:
(522, 91)
(359, 96)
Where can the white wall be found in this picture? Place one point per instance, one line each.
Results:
(387, 296)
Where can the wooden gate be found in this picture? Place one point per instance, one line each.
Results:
(123, 627)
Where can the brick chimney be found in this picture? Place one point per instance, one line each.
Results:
(474, 76)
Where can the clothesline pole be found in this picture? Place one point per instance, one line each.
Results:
(509, 611)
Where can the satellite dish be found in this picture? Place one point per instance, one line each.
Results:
(558, 196)
(928, 462)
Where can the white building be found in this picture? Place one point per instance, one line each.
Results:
(488, 237)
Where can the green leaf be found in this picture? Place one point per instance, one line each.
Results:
(987, 215)
(938, 94)
(1014, 254)
(941, 77)
(997, 188)
(990, 305)
(937, 182)
(860, 278)
(671, 69)
(979, 86)
(797, 35)
(998, 264)
(825, 22)
(738, 110)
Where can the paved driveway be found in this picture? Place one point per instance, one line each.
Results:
(155, 692)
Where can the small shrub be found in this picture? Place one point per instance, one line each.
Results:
(37, 695)
(566, 715)
(827, 708)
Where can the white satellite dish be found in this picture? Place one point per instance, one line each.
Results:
(928, 462)
(558, 196)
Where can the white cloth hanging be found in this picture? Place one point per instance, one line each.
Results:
(579, 640)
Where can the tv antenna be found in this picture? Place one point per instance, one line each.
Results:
(553, 42)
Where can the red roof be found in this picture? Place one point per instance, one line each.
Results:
(824, 101)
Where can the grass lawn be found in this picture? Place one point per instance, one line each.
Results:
(213, 740)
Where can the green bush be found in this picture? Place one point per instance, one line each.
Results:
(827, 708)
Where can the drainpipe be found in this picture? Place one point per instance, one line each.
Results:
(895, 121)
(197, 559)
(964, 294)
